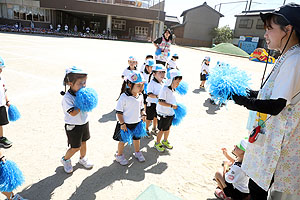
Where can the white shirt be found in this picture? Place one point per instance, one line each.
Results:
(126, 72)
(146, 75)
(167, 95)
(154, 87)
(238, 178)
(204, 67)
(172, 64)
(142, 68)
(68, 104)
(2, 92)
(131, 107)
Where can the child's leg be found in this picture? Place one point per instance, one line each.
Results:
(83, 150)
(136, 144)
(120, 148)
(159, 136)
(166, 135)
(1, 131)
(154, 123)
(148, 124)
(8, 195)
(71, 152)
(220, 179)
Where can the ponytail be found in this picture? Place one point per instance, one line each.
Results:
(124, 87)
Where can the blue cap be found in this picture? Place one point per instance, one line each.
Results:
(75, 70)
(131, 58)
(159, 67)
(2, 65)
(150, 62)
(175, 55)
(135, 77)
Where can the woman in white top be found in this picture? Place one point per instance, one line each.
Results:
(204, 71)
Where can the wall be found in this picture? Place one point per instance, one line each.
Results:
(191, 42)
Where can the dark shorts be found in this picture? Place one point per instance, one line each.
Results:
(3, 116)
(161, 62)
(117, 134)
(78, 134)
(145, 97)
(230, 191)
(151, 111)
(164, 123)
(203, 77)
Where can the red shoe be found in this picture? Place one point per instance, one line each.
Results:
(220, 194)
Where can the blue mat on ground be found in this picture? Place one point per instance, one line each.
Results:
(154, 192)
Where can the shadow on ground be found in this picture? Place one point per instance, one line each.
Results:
(108, 117)
(212, 108)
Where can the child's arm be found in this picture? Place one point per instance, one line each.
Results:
(121, 121)
(163, 103)
(152, 95)
(227, 156)
(74, 112)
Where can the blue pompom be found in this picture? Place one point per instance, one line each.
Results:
(13, 113)
(180, 113)
(225, 81)
(140, 130)
(168, 54)
(11, 176)
(127, 136)
(168, 73)
(158, 52)
(182, 88)
(86, 99)
(145, 88)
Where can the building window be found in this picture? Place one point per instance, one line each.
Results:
(118, 24)
(246, 23)
(260, 24)
(141, 30)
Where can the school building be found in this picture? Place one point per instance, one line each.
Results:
(126, 19)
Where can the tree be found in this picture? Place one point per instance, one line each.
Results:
(222, 35)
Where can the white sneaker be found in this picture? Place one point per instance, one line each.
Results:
(84, 161)
(121, 159)
(67, 165)
(139, 156)
(18, 197)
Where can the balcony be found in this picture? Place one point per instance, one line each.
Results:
(148, 4)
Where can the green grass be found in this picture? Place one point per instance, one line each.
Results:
(227, 48)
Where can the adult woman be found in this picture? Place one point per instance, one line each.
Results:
(162, 45)
(272, 159)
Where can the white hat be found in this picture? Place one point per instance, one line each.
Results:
(173, 73)
(131, 58)
(2, 65)
(135, 77)
(159, 67)
(150, 62)
(75, 70)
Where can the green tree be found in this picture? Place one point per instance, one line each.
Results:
(222, 35)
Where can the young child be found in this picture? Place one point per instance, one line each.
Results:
(204, 71)
(171, 64)
(76, 121)
(154, 88)
(4, 142)
(144, 64)
(233, 181)
(147, 76)
(130, 111)
(165, 110)
(132, 62)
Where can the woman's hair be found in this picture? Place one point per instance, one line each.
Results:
(281, 21)
(124, 87)
(178, 78)
(170, 37)
(149, 56)
(71, 78)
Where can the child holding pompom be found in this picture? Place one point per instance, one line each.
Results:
(76, 121)
(130, 111)
(132, 62)
(232, 180)
(154, 88)
(165, 110)
(4, 142)
(10, 178)
(171, 64)
(204, 71)
(147, 73)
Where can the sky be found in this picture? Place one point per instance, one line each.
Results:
(176, 7)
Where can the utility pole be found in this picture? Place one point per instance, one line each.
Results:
(284, 2)
(250, 5)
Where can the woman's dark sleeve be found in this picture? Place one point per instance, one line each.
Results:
(158, 40)
(270, 106)
(252, 93)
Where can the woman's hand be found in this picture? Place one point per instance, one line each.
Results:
(123, 127)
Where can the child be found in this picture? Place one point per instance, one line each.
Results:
(154, 88)
(165, 112)
(171, 64)
(132, 66)
(76, 121)
(4, 142)
(204, 71)
(144, 64)
(233, 181)
(147, 76)
(130, 111)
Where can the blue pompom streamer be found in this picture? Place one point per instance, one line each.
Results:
(145, 88)
(158, 52)
(86, 99)
(182, 88)
(126, 136)
(168, 73)
(11, 176)
(180, 113)
(224, 81)
(13, 113)
(140, 130)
